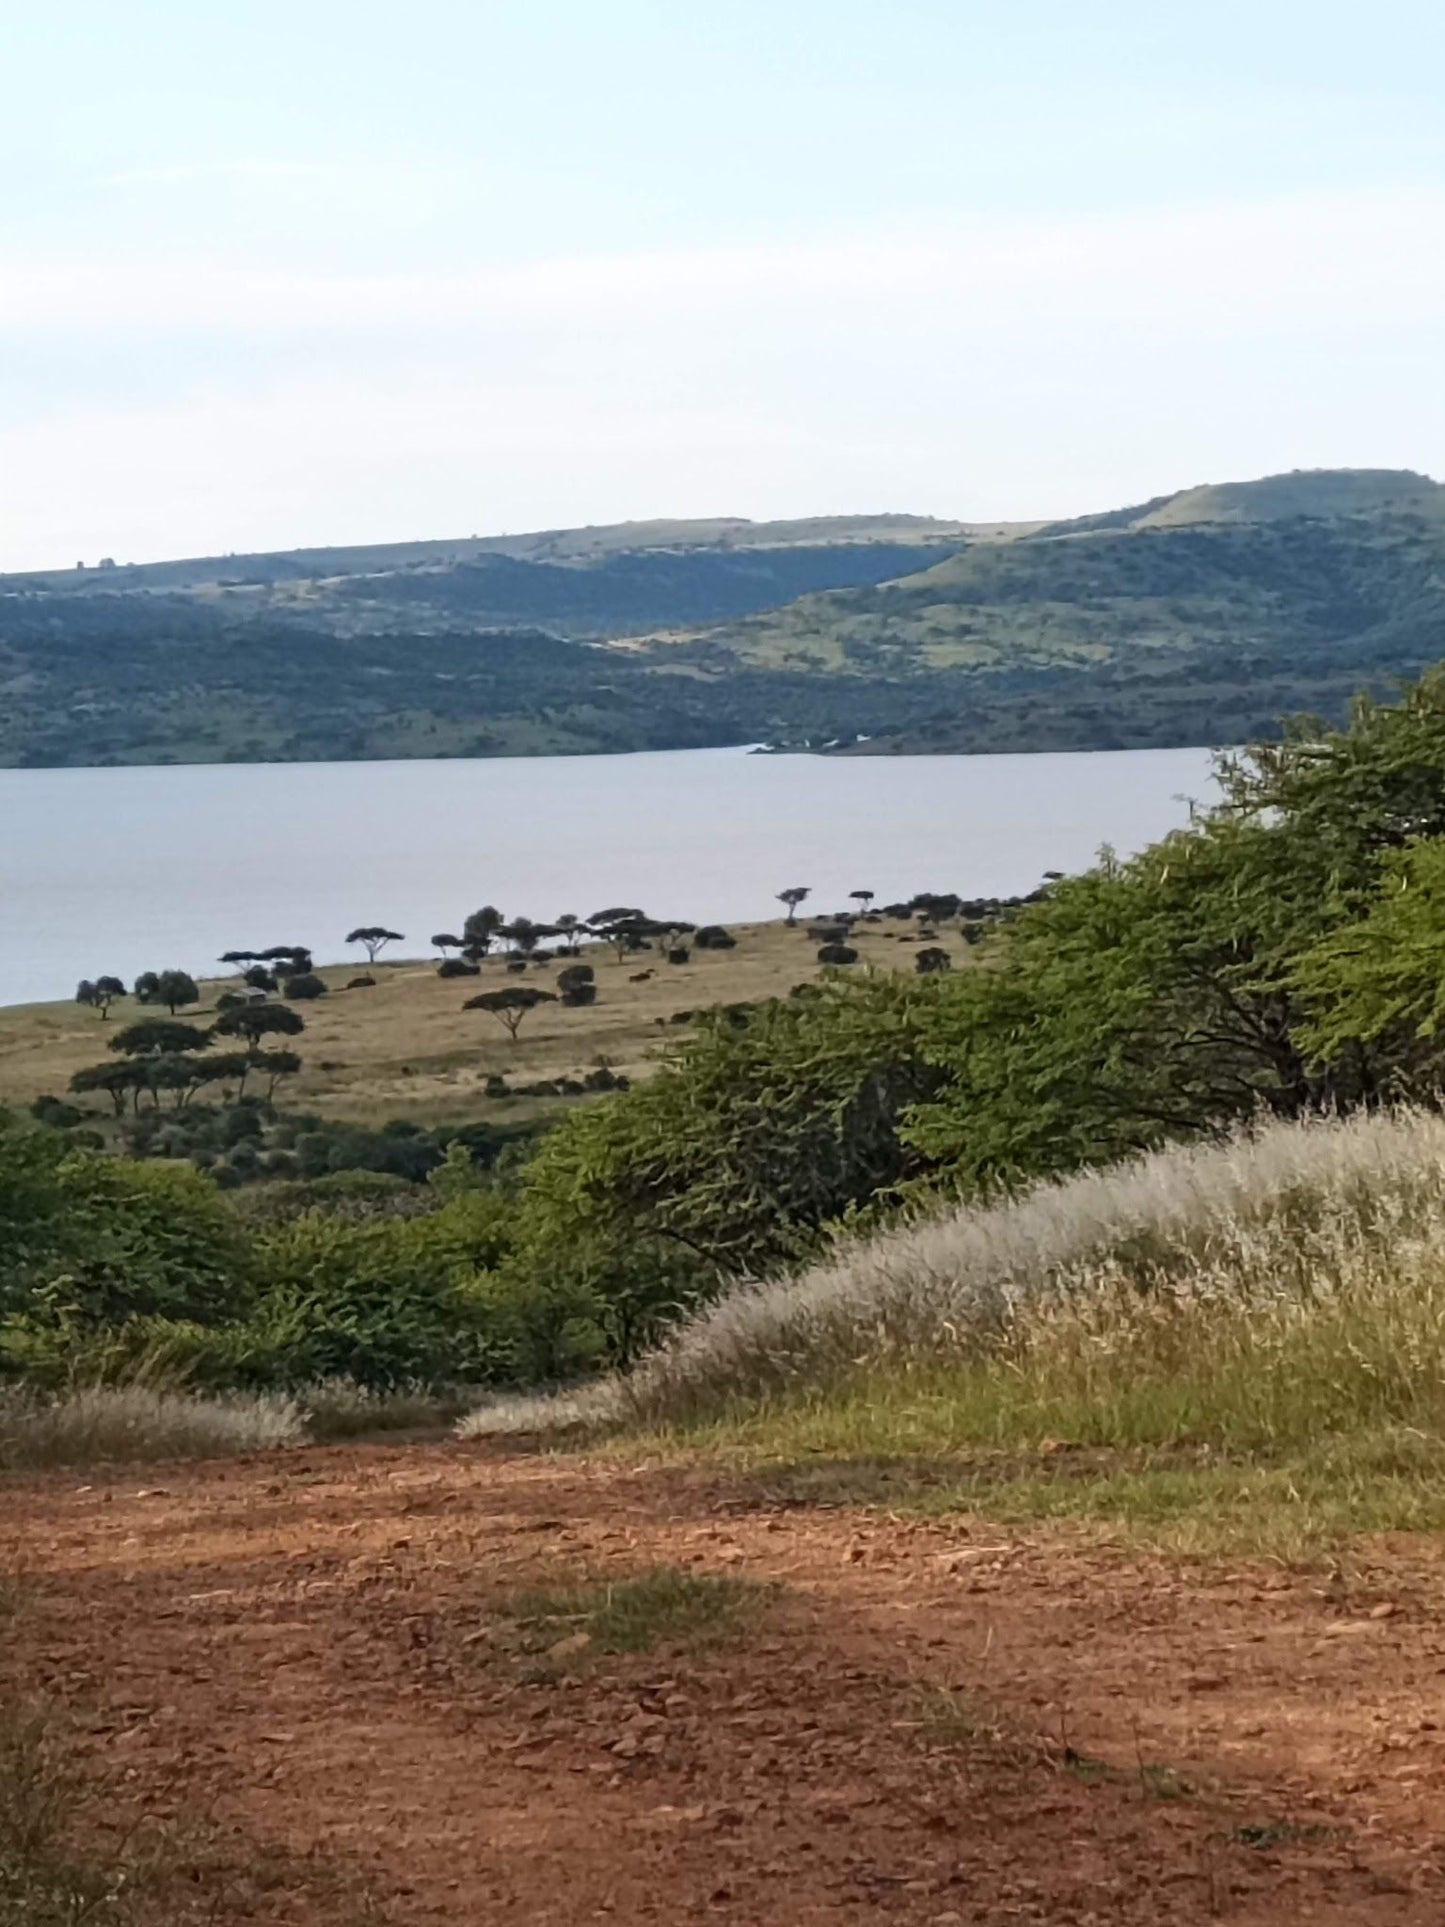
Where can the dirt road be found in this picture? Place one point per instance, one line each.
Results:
(921, 1722)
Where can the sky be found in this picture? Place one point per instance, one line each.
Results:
(280, 275)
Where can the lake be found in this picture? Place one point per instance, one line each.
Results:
(124, 870)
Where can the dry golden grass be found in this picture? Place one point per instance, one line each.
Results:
(407, 1049)
(116, 1424)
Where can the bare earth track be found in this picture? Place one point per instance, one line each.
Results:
(303, 1649)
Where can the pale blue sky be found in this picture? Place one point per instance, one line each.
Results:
(275, 274)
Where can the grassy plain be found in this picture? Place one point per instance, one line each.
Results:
(407, 1049)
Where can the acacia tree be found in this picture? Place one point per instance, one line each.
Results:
(273, 1065)
(252, 1022)
(374, 937)
(510, 1005)
(793, 897)
(444, 942)
(522, 934)
(116, 1080)
(176, 987)
(863, 897)
(169, 987)
(178, 1073)
(479, 932)
(100, 995)
(159, 1037)
(626, 930)
(220, 1068)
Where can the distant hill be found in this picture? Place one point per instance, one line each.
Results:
(577, 547)
(1194, 617)
(1201, 616)
(1317, 493)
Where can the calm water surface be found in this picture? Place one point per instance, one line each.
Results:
(124, 870)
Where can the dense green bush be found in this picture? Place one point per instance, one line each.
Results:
(386, 1301)
(90, 1240)
(1281, 955)
(761, 1126)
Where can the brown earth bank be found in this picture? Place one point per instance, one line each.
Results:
(312, 1656)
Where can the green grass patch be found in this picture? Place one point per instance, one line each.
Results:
(663, 1607)
(891, 1444)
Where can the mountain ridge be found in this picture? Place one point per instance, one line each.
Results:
(1198, 616)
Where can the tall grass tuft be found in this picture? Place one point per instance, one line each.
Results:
(100, 1423)
(1251, 1295)
(1313, 1251)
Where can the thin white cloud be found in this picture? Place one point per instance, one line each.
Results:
(1363, 255)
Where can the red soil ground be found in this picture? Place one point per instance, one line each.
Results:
(302, 1652)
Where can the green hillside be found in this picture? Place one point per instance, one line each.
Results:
(1197, 617)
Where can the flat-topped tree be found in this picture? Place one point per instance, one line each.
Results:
(255, 1021)
(510, 1005)
(159, 1037)
(793, 897)
(273, 1065)
(100, 995)
(444, 942)
(289, 959)
(118, 1081)
(374, 937)
(231, 1064)
(863, 897)
(625, 929)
